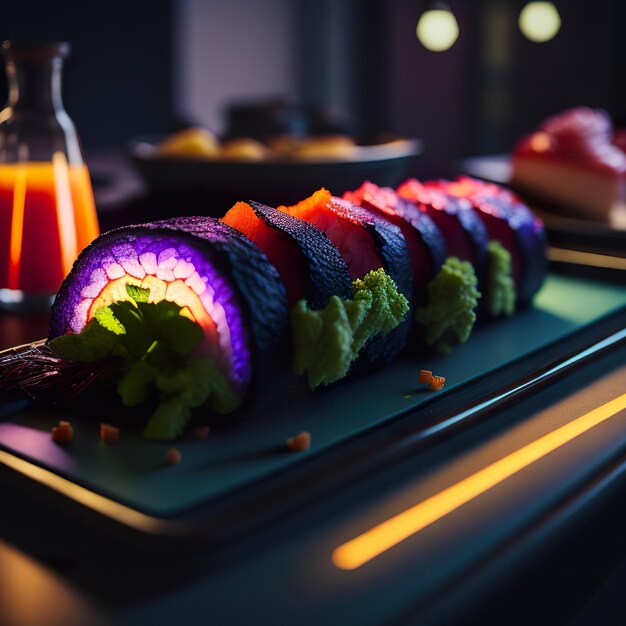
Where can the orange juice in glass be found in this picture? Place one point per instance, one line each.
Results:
(47, 210)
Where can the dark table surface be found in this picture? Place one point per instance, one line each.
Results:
(17, 329)
(59, 567)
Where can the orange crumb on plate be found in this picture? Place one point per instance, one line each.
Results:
(425, 377)
(109, 433)
(63, 433)
(173, 456)
(300, 442)
(437, 383)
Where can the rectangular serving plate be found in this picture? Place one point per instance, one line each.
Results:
(229, 475)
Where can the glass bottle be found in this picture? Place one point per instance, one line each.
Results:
(47, 210)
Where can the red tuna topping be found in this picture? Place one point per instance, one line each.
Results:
(346, 231)
(425, 243)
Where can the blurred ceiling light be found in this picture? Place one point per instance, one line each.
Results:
(539, 21)
(437, 28)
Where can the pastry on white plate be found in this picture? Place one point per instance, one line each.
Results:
(570, 160)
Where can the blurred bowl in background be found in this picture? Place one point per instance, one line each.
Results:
(221, 182)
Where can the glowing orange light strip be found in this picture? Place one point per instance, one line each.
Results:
(391, 532)
(65, 210)
(90, 499)
(17, 227)
(587, 258)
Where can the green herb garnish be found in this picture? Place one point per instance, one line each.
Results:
(326, 342)
(154, 343)
(452, 298)
(501, 292)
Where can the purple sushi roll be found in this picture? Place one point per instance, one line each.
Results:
(218, 278)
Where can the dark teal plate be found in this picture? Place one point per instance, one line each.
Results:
(136, 474)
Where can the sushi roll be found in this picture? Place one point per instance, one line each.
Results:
(307, 262)
(511, 223)
(194, 268)
(463, 225)
(199, 312)
(366, 243)
(444, 283)
(465, 234)
(425, 244)
(319, 287)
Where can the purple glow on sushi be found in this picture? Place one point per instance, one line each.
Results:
(169, 259)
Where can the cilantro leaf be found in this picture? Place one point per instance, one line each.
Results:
(138, 294)
(105, 317)
(92, 344)
(179, 334)
(138, 337)
(154, 313)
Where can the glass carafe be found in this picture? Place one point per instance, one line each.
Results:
(47, 211)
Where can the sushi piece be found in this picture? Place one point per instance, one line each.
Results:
(337, 325)
(307, 262)
(191, 282)
(366, 243)
(467, 239)
(426, 246)
(510, 222)
(444, 286)
(464, 232)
